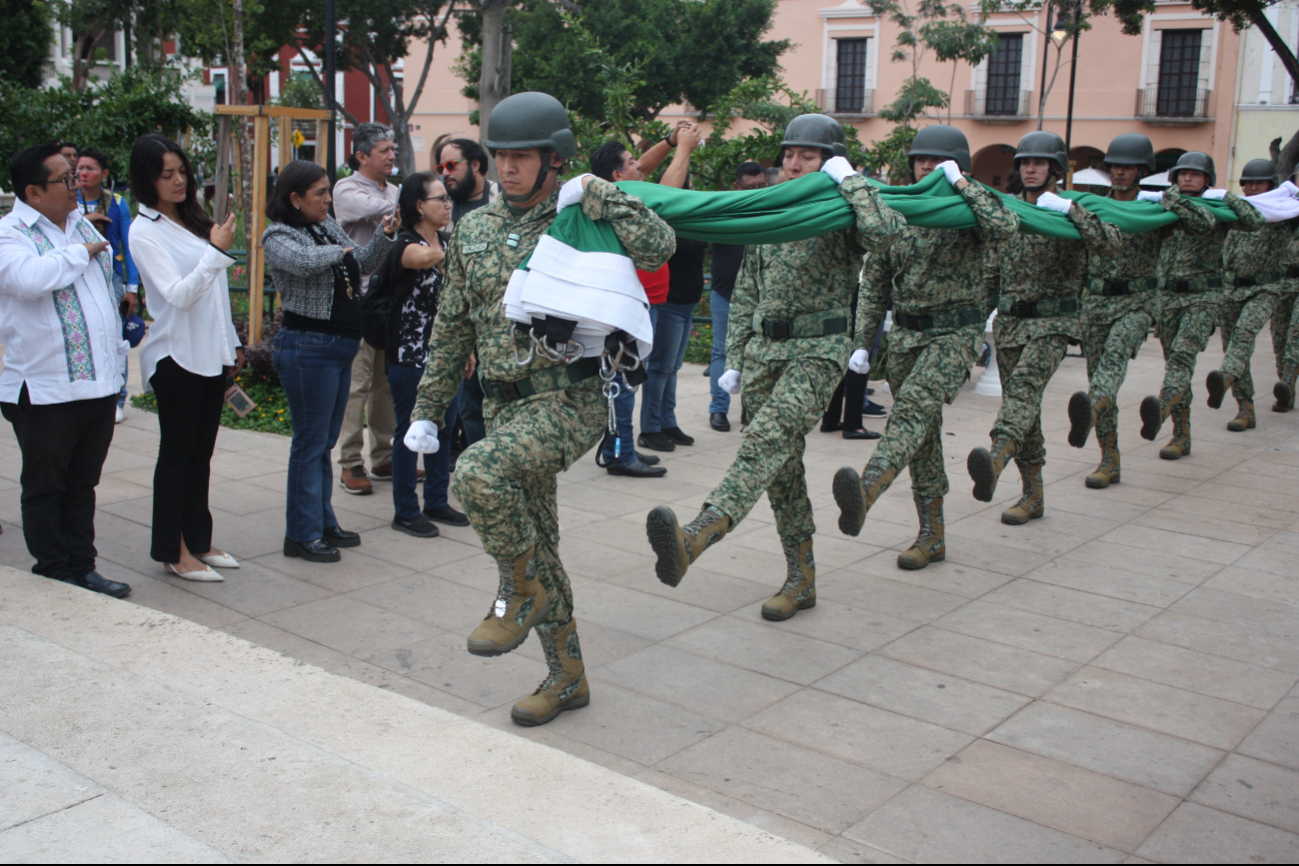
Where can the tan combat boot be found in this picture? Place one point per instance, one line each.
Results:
(1245, 419)
(565, 687)
(855, 496)
(1180, 445)
(1218, 384)
(678, 547)
(1032, 504)
(1283, 391)
(799, 591)
(931, 544)
(1108, 472)
(520, 604)
(1155, 411)
(1083, 411)
(985, 467)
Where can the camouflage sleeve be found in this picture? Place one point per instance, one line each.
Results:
(1249, 219)
(744, 301)
(996, 221)
(877, 223)
(872, 298)
(453, 339)
(1101, 238)
(992, 275)
(1194, 219)
(649, 240)
(1292, 251)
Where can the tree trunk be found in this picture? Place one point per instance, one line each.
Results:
(494, 81)
(1288, 60)
(243, 127)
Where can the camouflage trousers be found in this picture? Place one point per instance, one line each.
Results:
(1285, 332)
(1025, 372)
(783, 400)
(1109, 347)
(1241, 321)
(1183, 334)
(923, 380)
(506, 481)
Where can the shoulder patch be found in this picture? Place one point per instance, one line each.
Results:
(472, 248)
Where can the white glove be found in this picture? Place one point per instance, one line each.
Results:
(1051, 201)
(1290, 189)
(952, 170)
(729, 382)
(1214, 194)
(1150, 195)
(860, 362)
(422, 437)
(838, 168)
(123, 348)
(570, 193)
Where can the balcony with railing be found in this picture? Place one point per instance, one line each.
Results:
(850, 103)
(989, 106)
(1174, 106)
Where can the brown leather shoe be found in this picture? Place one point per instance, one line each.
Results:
(355, 481)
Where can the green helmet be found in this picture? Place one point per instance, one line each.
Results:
(945, 142)
(1043, 145)
(1194, 160)
(1131, 148)
(816, 130)
(1259, 169)
(530, 120)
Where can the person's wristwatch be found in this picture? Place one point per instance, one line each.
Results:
(667, 139)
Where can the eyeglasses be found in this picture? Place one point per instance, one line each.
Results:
(445, 199)
(68, 181)
(449, 165)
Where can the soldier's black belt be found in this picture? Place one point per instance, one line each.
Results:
(1193, 285)
(822, 324)
(1038, 309)
(944, 319)
(1116, 288)
(553, 379)
(1256, 280)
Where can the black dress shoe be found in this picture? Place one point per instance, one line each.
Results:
(96, 582)
(719, 422)
(831, 426)
(677, 436)
(648, 459)
(655, 442)
(861, 434)
(312, 551)
(340, 537)
(448, 515)
(418, 526)
(637, 468)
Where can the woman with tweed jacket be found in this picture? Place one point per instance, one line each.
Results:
(317, 272)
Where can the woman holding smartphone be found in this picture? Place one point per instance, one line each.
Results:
(192, 350)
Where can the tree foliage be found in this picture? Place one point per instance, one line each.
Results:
(24, 41)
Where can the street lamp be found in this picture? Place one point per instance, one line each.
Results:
(1073, 78)
(331, 28)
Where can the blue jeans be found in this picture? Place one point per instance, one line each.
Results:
(404, 384)
(623, 406)
(316, 372)
(721, 401)
(672, 323)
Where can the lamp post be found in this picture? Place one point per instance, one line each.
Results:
(1073, 78)
(331, 28)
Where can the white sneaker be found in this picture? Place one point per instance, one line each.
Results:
(121, 415)
(207, 575)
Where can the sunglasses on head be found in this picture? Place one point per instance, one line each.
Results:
(449, 165)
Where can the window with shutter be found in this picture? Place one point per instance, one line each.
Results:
(1179, 73)
(1003, 75)
(850, 83)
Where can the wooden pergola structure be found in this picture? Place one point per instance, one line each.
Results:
(261, 115)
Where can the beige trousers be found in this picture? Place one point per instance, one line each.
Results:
(369, 403)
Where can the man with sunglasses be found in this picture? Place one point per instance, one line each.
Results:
(461, 163)
(62, 363)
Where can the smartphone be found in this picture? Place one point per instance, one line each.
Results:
(238, 400)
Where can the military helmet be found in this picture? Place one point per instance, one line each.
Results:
(531, 120)
(946, 142)
(1043, 145)
(1131, 148)
(1259, 169)
(816, 130)
(1194, 160)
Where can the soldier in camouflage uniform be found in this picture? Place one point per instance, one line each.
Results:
(934, 280)
(1285, 332)
(1190, 299)
(541, 417)
(790, 335)
(1254, 265)
(1119, 303)
(1039, 280)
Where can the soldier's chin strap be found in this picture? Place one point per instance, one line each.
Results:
(1052, 177)
(541, 178)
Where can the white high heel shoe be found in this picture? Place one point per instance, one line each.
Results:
(207, 575)
(223, 560)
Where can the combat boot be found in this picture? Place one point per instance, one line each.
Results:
(799, 591)
(1108, 472)
(1155, 411)
(565, 687)
(1083, 411)
(931, 543)
(855, 495)
(985, 467)
(1283, 391)
(1218, 385)
(678, 547)
(1180, 445)
(520, 604)
(1245, 419)
(1032, 504)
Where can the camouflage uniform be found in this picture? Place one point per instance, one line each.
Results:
(788, 382)
(506, 482)
(930, 273)
(1250, 257)
(1285, 331)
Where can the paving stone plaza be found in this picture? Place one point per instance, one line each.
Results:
(1113, 683)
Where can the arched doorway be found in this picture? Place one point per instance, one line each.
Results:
(992, 165)
(1087, 157)
(1166, 159)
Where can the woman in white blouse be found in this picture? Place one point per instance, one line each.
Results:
(191, 351)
